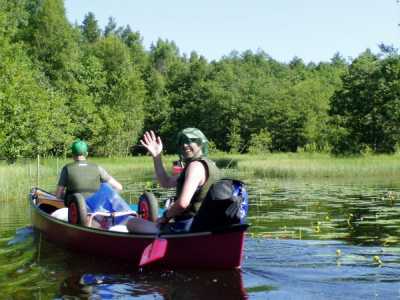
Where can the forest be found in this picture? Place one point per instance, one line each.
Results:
(61, 81)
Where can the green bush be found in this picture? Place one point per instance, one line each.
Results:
(260, 142)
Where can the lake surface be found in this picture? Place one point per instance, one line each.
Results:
(308, 240)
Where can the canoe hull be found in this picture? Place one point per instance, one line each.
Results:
(218, 250)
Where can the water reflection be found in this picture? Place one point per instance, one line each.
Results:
(19, 272)
(86, 277)
(156, 285)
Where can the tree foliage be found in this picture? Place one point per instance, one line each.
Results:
(32, 117)
(366, 110)
(60, 81)
(90, 28)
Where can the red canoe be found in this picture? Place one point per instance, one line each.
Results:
(220, 249)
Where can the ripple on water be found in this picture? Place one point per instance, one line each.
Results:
(303, 269)
(20, 275)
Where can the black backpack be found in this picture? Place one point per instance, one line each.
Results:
(226, 203)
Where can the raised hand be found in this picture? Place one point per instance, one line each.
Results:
(152, 143)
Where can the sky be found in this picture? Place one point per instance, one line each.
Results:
(313, 30)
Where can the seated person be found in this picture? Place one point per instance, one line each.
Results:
(192, 184)
(82, 177)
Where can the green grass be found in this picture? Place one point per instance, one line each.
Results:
(15, 179)
(303, 165)
(18, 178)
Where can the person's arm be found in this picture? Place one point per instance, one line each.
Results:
(105, 177)
(62, 183)
(154, 145)
(115, 184)
(163, 178)
(60, 192)
(194, 178)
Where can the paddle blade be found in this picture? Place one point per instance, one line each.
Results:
(153, 252)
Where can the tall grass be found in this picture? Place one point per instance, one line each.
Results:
(18, 178)
(316, 165)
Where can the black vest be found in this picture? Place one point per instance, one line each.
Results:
(82, 177)
(212, 173)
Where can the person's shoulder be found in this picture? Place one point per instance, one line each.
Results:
(196, 162)
(92, 164)
(196, 165)
(68, 164)
(209, 162)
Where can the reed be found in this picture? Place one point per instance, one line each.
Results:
(15, 179)
(18, 178)
(316, 165)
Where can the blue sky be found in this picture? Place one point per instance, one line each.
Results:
(313, 30)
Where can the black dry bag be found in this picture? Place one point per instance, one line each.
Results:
(225, 204)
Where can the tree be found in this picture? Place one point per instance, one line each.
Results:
(366, 111)
(52, 41)
(260, 142)
(13, 17)
(234, 140)
(121, 103)
(163, 56)
(111, 27)
(90, 29)
(158, 106)
(134, 42)
(32, 115)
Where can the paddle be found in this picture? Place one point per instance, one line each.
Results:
(157, 248)
(154, 251)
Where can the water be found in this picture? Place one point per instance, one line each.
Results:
(308, 240)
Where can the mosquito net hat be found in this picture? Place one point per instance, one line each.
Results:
(192, 135)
